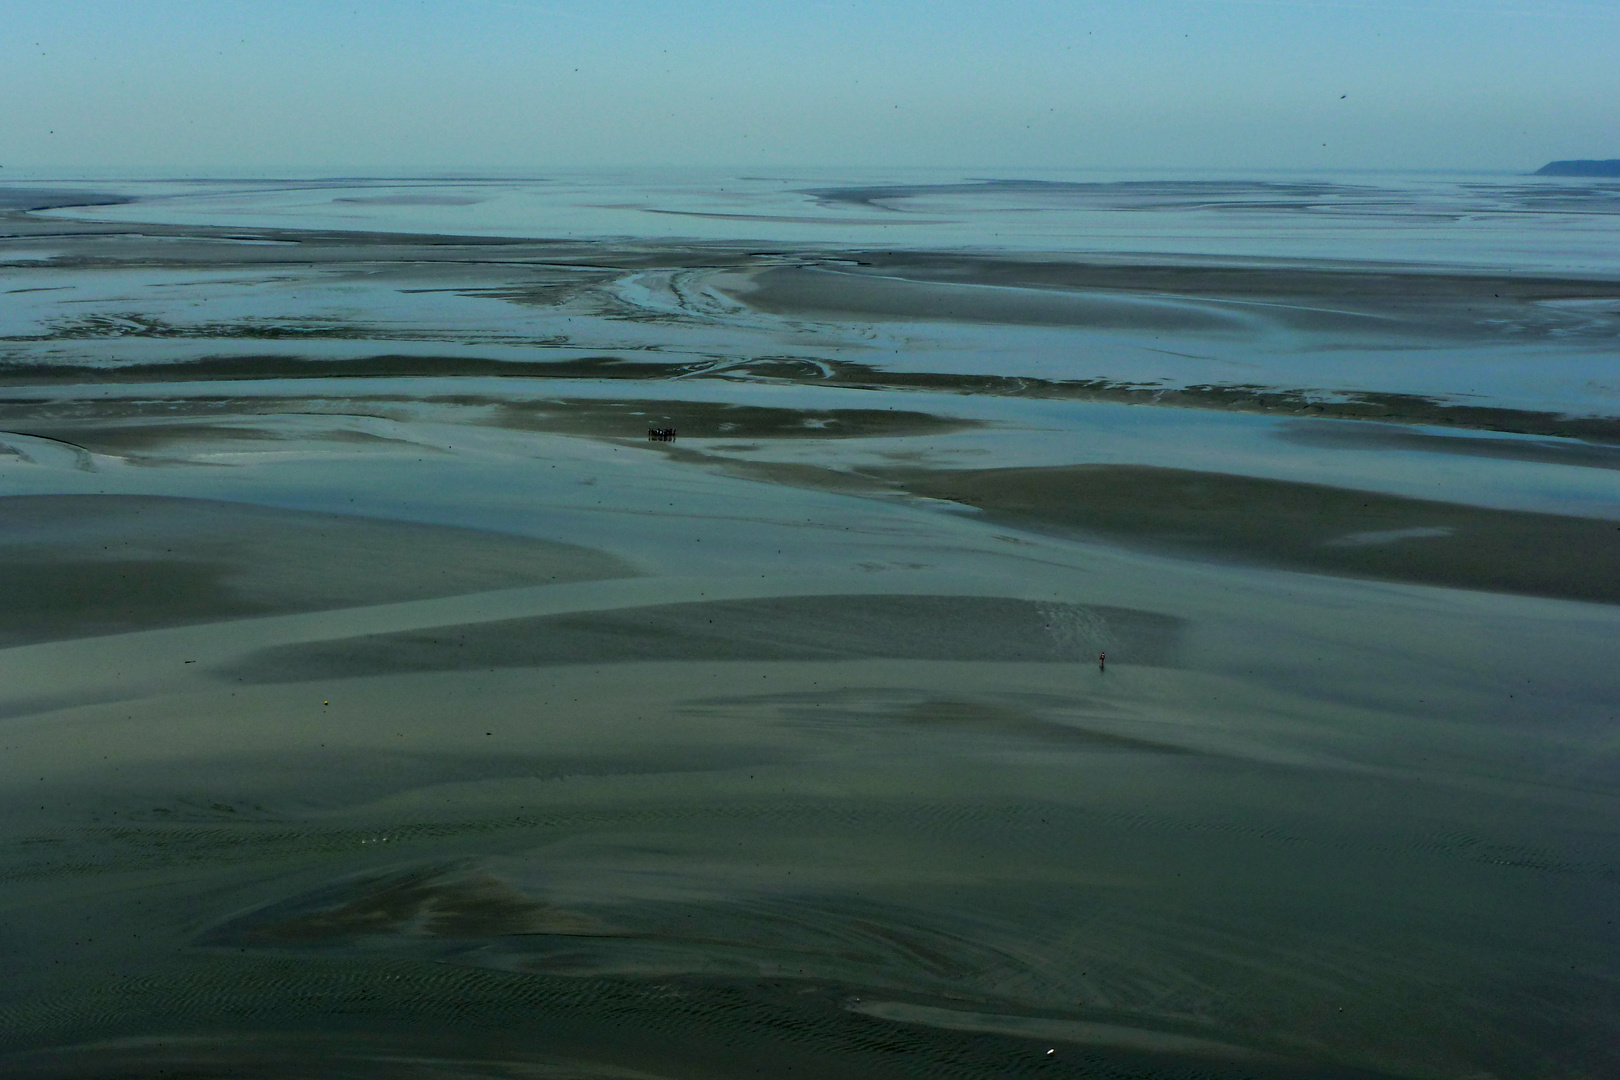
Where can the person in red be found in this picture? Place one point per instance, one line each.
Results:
(1102, 661)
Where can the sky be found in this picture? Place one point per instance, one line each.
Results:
(371, 87)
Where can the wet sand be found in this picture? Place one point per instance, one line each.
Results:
(788, 628)
(1304, 526)
(374, 711)
(83, 565)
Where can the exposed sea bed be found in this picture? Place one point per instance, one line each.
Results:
(379, 700)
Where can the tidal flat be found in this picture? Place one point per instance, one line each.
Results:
(377, 700)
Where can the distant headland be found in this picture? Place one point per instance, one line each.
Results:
(1611, 167)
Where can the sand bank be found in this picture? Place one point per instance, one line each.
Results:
(1387, 302)
(1306, 526)
(75, 565)
(790, 628)
(1387, 408)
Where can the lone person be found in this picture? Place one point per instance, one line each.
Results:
(1102, 661)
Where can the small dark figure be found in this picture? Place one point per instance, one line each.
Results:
(1102, 661)
(661, 434)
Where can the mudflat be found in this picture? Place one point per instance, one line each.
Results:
(83, 565)
(1021, 663)
(1305, 526)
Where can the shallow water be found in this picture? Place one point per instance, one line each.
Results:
(376, 699)
(1484, 220)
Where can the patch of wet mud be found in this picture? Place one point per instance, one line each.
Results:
(1388, 408)
(817, 292)
(82, 565)
(132, 425)
(710, 420)
(14, 199)
(31, 373)
(137, 440)
(290, 785)
(782, 628)
(431, 903)
(1399, 304)
(1302, 526)
(1068, 721)
(501, 1026)
(1225, 197)
(140, 325)
(1373, 436)
(816, 951)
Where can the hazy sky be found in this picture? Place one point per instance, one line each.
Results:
(217, 86)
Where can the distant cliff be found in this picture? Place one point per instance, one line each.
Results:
(1610, 167)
